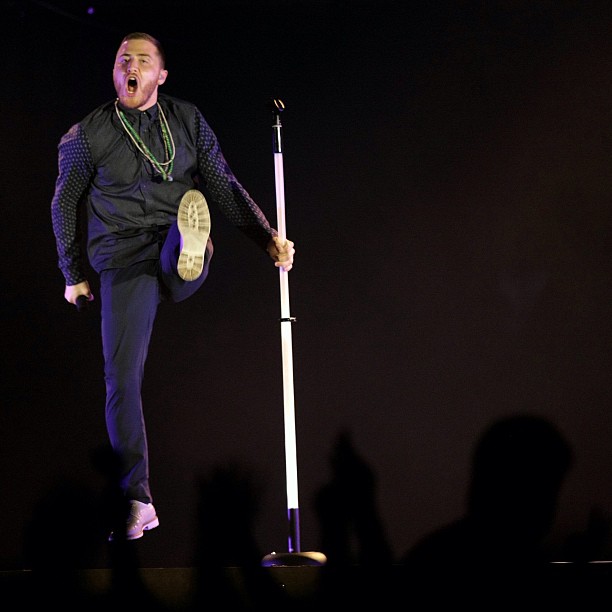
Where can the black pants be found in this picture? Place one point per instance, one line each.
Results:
(130, 297)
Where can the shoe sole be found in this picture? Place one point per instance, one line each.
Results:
(193, 220)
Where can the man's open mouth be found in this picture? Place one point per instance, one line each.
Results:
(132, 85)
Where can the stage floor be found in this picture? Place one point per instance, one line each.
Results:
(554, 587)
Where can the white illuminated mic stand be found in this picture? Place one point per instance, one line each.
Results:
(294, 556)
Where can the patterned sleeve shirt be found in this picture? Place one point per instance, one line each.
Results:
(128, 207)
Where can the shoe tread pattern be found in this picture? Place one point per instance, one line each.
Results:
(194, 226)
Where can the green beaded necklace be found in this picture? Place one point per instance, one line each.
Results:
(164, 168)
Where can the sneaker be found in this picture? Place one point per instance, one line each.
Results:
(193, 219)
(142, 517)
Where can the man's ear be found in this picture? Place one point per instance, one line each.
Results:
(163, 75)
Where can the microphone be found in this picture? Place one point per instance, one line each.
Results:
(82, 302)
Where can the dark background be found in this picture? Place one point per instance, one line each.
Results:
(448, 188)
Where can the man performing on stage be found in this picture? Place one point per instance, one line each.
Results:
(139, 166)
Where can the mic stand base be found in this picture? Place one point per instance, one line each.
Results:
(295, 559)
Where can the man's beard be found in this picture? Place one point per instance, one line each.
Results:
(141, 98)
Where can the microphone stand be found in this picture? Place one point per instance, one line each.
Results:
(294, 556)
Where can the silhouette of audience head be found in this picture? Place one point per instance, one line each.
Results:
(518, 468)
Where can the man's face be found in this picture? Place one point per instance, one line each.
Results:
(137, 74)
